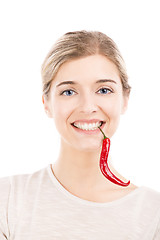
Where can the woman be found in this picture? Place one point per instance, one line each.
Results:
(85, 86)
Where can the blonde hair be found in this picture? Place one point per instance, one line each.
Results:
(78, 44)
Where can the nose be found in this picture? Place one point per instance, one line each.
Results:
(87, 103)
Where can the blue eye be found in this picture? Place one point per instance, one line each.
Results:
(67, 91)
(70, 92)
(105, 90)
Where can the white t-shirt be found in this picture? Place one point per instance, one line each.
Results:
(37, 207)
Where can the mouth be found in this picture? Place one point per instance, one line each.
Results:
(88, 127)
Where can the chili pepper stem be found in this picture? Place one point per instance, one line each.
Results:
(102, 133)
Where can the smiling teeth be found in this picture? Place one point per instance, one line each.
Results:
(90, 126)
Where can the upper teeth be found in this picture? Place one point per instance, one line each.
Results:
(86, 126)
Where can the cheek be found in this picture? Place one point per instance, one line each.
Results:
(113, 112)
(113, 109)
(61, 112)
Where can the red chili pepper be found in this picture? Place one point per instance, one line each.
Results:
(104, 163)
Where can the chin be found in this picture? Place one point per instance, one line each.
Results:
(89, 147)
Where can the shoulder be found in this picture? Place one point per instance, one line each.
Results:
(12, 194)
(152, 199)
(144, 204)
(150, 195)
(14, 189)
(17, 184)
(5, 187)
(149, 206)
(147, 199)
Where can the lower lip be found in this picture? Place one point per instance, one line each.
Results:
(88, 132)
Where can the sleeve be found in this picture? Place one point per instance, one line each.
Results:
(4, 200)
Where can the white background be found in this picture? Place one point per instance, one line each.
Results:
(28, 139)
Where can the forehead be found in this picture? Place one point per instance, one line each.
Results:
(87, 69)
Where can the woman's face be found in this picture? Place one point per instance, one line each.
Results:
(86, 90)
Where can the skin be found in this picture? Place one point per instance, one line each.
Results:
(77, 167)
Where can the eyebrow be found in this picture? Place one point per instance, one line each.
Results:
(74, 83)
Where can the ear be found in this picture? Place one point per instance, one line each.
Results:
(125, 103)
(46, 106)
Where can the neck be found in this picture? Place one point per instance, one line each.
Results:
(79, 169)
